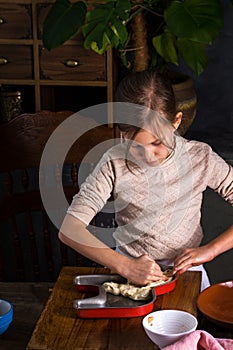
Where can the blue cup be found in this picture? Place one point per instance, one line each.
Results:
(6, 315)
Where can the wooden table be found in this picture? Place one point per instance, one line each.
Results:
(59, 327)
(28, 301)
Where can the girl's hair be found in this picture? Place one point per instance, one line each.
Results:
(151, 91)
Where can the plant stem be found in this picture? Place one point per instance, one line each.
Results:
(141, 56)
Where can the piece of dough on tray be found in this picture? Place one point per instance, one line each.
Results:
(133, 291)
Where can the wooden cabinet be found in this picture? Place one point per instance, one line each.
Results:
(72, 63)
(56, 79)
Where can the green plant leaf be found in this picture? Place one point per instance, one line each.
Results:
(107, 21)
(194, 54)
(121, 31)
(123, 9)
(63, 21)
(165, 46)
(93, 45)
(197, 20)
(103, 39)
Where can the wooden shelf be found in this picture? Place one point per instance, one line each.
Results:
(25, 62)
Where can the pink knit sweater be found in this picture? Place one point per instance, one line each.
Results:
(157, 209)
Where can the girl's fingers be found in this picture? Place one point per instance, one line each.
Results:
(182, 264)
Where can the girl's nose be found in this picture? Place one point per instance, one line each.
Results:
(149, 156)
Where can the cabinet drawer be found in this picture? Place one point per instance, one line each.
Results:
(42, 12)
(16, 62)
(72, 62)
(15, 21)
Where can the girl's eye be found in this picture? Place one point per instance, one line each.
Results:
(156, 143)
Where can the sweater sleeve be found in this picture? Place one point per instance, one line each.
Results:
(221, 177)
(94, 192)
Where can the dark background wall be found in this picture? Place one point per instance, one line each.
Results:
(214, 85)
(214, 124)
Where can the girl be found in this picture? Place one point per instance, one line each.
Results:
(157, 179)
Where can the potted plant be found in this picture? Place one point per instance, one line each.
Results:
(144, 33)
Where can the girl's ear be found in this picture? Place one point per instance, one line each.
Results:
(178, 119)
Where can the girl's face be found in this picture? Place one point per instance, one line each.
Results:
(148, 148)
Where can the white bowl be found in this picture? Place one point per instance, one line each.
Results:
(165, 327)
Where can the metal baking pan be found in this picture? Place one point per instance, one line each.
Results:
(100, 304)
(168, 286)
(106, 305)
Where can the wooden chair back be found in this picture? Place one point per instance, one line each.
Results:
(29, 247)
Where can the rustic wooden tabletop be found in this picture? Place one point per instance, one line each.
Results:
(28, 301)
(32, 320)
(59, 327)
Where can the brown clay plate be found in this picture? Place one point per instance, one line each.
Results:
(216, 303)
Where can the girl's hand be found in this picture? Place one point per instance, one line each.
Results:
(144, 270)
(192, 257)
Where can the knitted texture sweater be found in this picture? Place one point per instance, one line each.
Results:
(157, 209)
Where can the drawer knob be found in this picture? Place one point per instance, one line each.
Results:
(71, 63)
(3, 61)
(2, 21)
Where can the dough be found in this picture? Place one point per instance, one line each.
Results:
(112, 287)
(133, 291)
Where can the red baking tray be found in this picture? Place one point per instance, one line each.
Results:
(99, 304)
